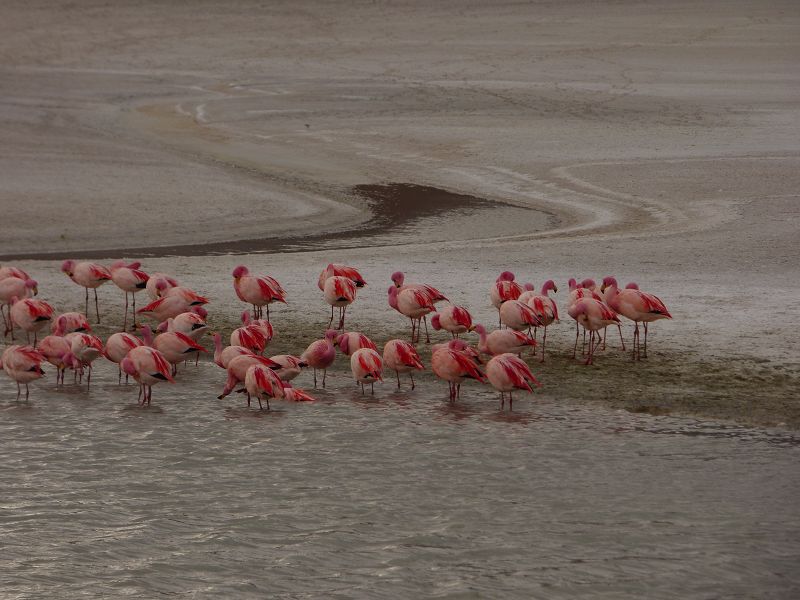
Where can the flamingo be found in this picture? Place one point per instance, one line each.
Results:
(454, 319)
(191, 323)
(402, 357)
(87, 275)
(454, 366)
(158, 284)
(23, 364)
(288, 367)
(263, 383)
(339, 292)
(259, 291)
(320, 354)
(68, 322)
(237, 370)
(504, 289)
(502, 341)
(11, 287)
(460, 346)
(249, 337)
(350, 341)
(148, 367)
(398, 278)
(506, 373)
(518, 316)
(592, 315)
(366, 365)
(30, 315)
(545, 309)
(188, 295)
(54, 348)
(130, 280)
(342, 271)
(223, 356)
(85, 348)
(117, 347)
(414, 304)
(172, 303)
(9, 271)
(177, 347)
(637, 306)
(264, 326)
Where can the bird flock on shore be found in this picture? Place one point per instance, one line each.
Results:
(179, 324)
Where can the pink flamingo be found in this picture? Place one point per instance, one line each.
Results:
(177, 348)
(188, 295)
(366, 365)
(288, 367)
(545, 309)
(502, 341)
(506, 373)
(130, 280)
(54, 348)
(237, 370)
(84, 350)
(30, 315)
(398, 278)
(402, 357)
(68, 322)
(249, 337)
(117, 347)
(23, 364)
(87, 275)
(454, 319)
(148, 367)
(223, 356)
(504, 289)
(518, 316)
(454, 366)
(320, 354)
(414, 304)
(264, 326)
(637, 306)
(592, 315)
(350, 341)
(14, 287)
(176, 300)
(9, 271)
(333, 270)
(263, 383)
(259, 291)
(191, 323)
(460, 346)
(158, 284)
(339, 292)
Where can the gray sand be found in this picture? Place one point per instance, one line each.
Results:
(655, 141)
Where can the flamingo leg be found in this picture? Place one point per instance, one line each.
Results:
(412, 380)
(427, 337)
(86, 311)
(134, 312)
(267, 322)
(19, 391)
(89, 377)
(621, 340)
(575, 347)
(260, 407)
(331, 319)
(510, 401)
(634, 352)
(27, 392)
(96, 305)
(645, 340)
(315, 378)
(324, 375)
(372, 388)
(362, 389)
(125, 321)
(398, 378)
(544, 341)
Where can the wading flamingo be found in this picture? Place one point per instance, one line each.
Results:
(223, 356)
(637, 306)
(85, 348)
(30, 315)
(117, 347)
(177, 348)
(342, 271)
(454, 366)
(23, 364)
(237, 370)
(9, 271)
(545, 309)
(592, 315)
(54, 348)
(402, 357)
(414, 304)
(502, 341)
(148, 367)
(339, 292)
(506, 373)
(260, 291)
(320, 354)
(518, 316)
(350, 341)
(130, 280)
(14, 287)
(87, 275)
(453, 319)
(288, 367)
(366, 365)
(69, 322)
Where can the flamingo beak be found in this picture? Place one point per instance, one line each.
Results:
(555, 289)
(603, 288)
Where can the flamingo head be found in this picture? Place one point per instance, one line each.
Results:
(161, 285)
(607, 283)
(632, 286)
(549, 285)
(529, 287)
(200, 311)
(479, 329)
(68, 266)
(33, 286)
(331, 335)
(398, 278)
(506, 276)
(457, 345)
(240, 271)
(435, 322)
(588, 283)
(573, 285)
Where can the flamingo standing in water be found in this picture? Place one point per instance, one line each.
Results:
(592, 315)
(30, 315)
(399, 280)
(342, 271)
(350, 341)
(320, 354)
(637, 306)
(454, 366)
(262, 325)
(177, 347)
(237, 370)
(14, 287)
(263, 383)
(23, 364)
(414, 304)
(260, 291)
(87, 275)
(454, 319)
(402, 357)
(192, 323)
(502, 341)
(69, 322)
(339, 292)
(288, 367)
(503, 290)
(148, 367)
(506, 373)
(174, 301)
(545, 309)
(249, 337)
(366, 365)
(130, 280)
(55, 348)
(117, 347)
(84, 350)
(223, 356)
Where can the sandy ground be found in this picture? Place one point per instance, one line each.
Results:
(653, 141)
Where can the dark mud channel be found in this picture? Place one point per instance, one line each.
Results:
(392, 206)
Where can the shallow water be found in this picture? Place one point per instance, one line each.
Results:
(393, 495)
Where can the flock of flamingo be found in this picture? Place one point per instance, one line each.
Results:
(181, 323)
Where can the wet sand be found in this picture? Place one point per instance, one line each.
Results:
(653, 142)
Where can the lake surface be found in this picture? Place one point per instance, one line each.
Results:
(393, 495)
